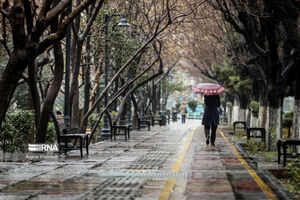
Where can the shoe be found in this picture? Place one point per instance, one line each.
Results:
(207, 140)
(213, 144)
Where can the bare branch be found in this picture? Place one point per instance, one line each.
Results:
(4, 13)
(52, 38)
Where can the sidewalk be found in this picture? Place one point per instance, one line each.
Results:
(167, 162)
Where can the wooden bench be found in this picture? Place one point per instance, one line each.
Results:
(156, 119)
(284, 143)
(143, 122)
(114, 128)
(239, 122)
(262, 136)
(63, 139)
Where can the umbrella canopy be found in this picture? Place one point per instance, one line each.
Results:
(208, 89)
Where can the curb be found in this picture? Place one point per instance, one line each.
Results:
(265, 175)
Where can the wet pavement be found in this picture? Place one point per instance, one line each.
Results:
(169, 162)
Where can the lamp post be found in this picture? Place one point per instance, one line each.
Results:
(67, 74)
(153, 96)
(143, 105)
(105, 131)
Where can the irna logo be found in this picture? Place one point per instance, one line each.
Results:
(43, 147)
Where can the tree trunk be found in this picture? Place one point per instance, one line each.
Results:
(35, 97)
(275, 121)
(153, 98)
(158, 98)
(16, 65)
(296, 120)
(242, 113)
(75, 107)
(235, 109)
(87, 84)
(18, 60)
(51, 95)
(74, 93)
(248, 117)
(229, 115)
(244, 100)
(253, 120)
(263, 108)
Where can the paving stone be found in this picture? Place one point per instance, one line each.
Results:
(246, 186)
(13, 196)
(251, 195)
(209, 186)
(137, 168)
(209, 196)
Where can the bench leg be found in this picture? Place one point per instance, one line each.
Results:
(87, 144)
(278, 151)
(66, 143)
(81, 154)
(284, 155)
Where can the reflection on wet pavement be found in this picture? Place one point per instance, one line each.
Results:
(136, 169)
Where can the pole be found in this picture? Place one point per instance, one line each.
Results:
(87, 74)
(105, 130)
(67, 74)
(143, 105)
(153, 96)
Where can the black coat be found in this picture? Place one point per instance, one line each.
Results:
(211, 113)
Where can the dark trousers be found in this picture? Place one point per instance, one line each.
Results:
(213, 132)
(183, 119)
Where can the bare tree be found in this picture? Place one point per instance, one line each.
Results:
(269, 29)
(30, 38)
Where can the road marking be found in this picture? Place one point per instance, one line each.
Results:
(266, 189)
(165, 193)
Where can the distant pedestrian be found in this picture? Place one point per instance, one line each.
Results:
(183, 111)
(211, 117)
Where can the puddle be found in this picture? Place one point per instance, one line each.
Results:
(28, 187)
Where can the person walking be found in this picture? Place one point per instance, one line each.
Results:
(211, 117)
(183, 112)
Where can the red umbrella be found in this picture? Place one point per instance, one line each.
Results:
(208, 89)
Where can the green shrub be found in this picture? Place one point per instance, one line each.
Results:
(93, 119)
(177, 106)
(192, 105)
(254, 107)
(229, 104)
(253, 146)
(273, 133)
(239, 132)
(16, 130)
(293, 178)
(114, 113)
(51, 135)
(287, 120)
